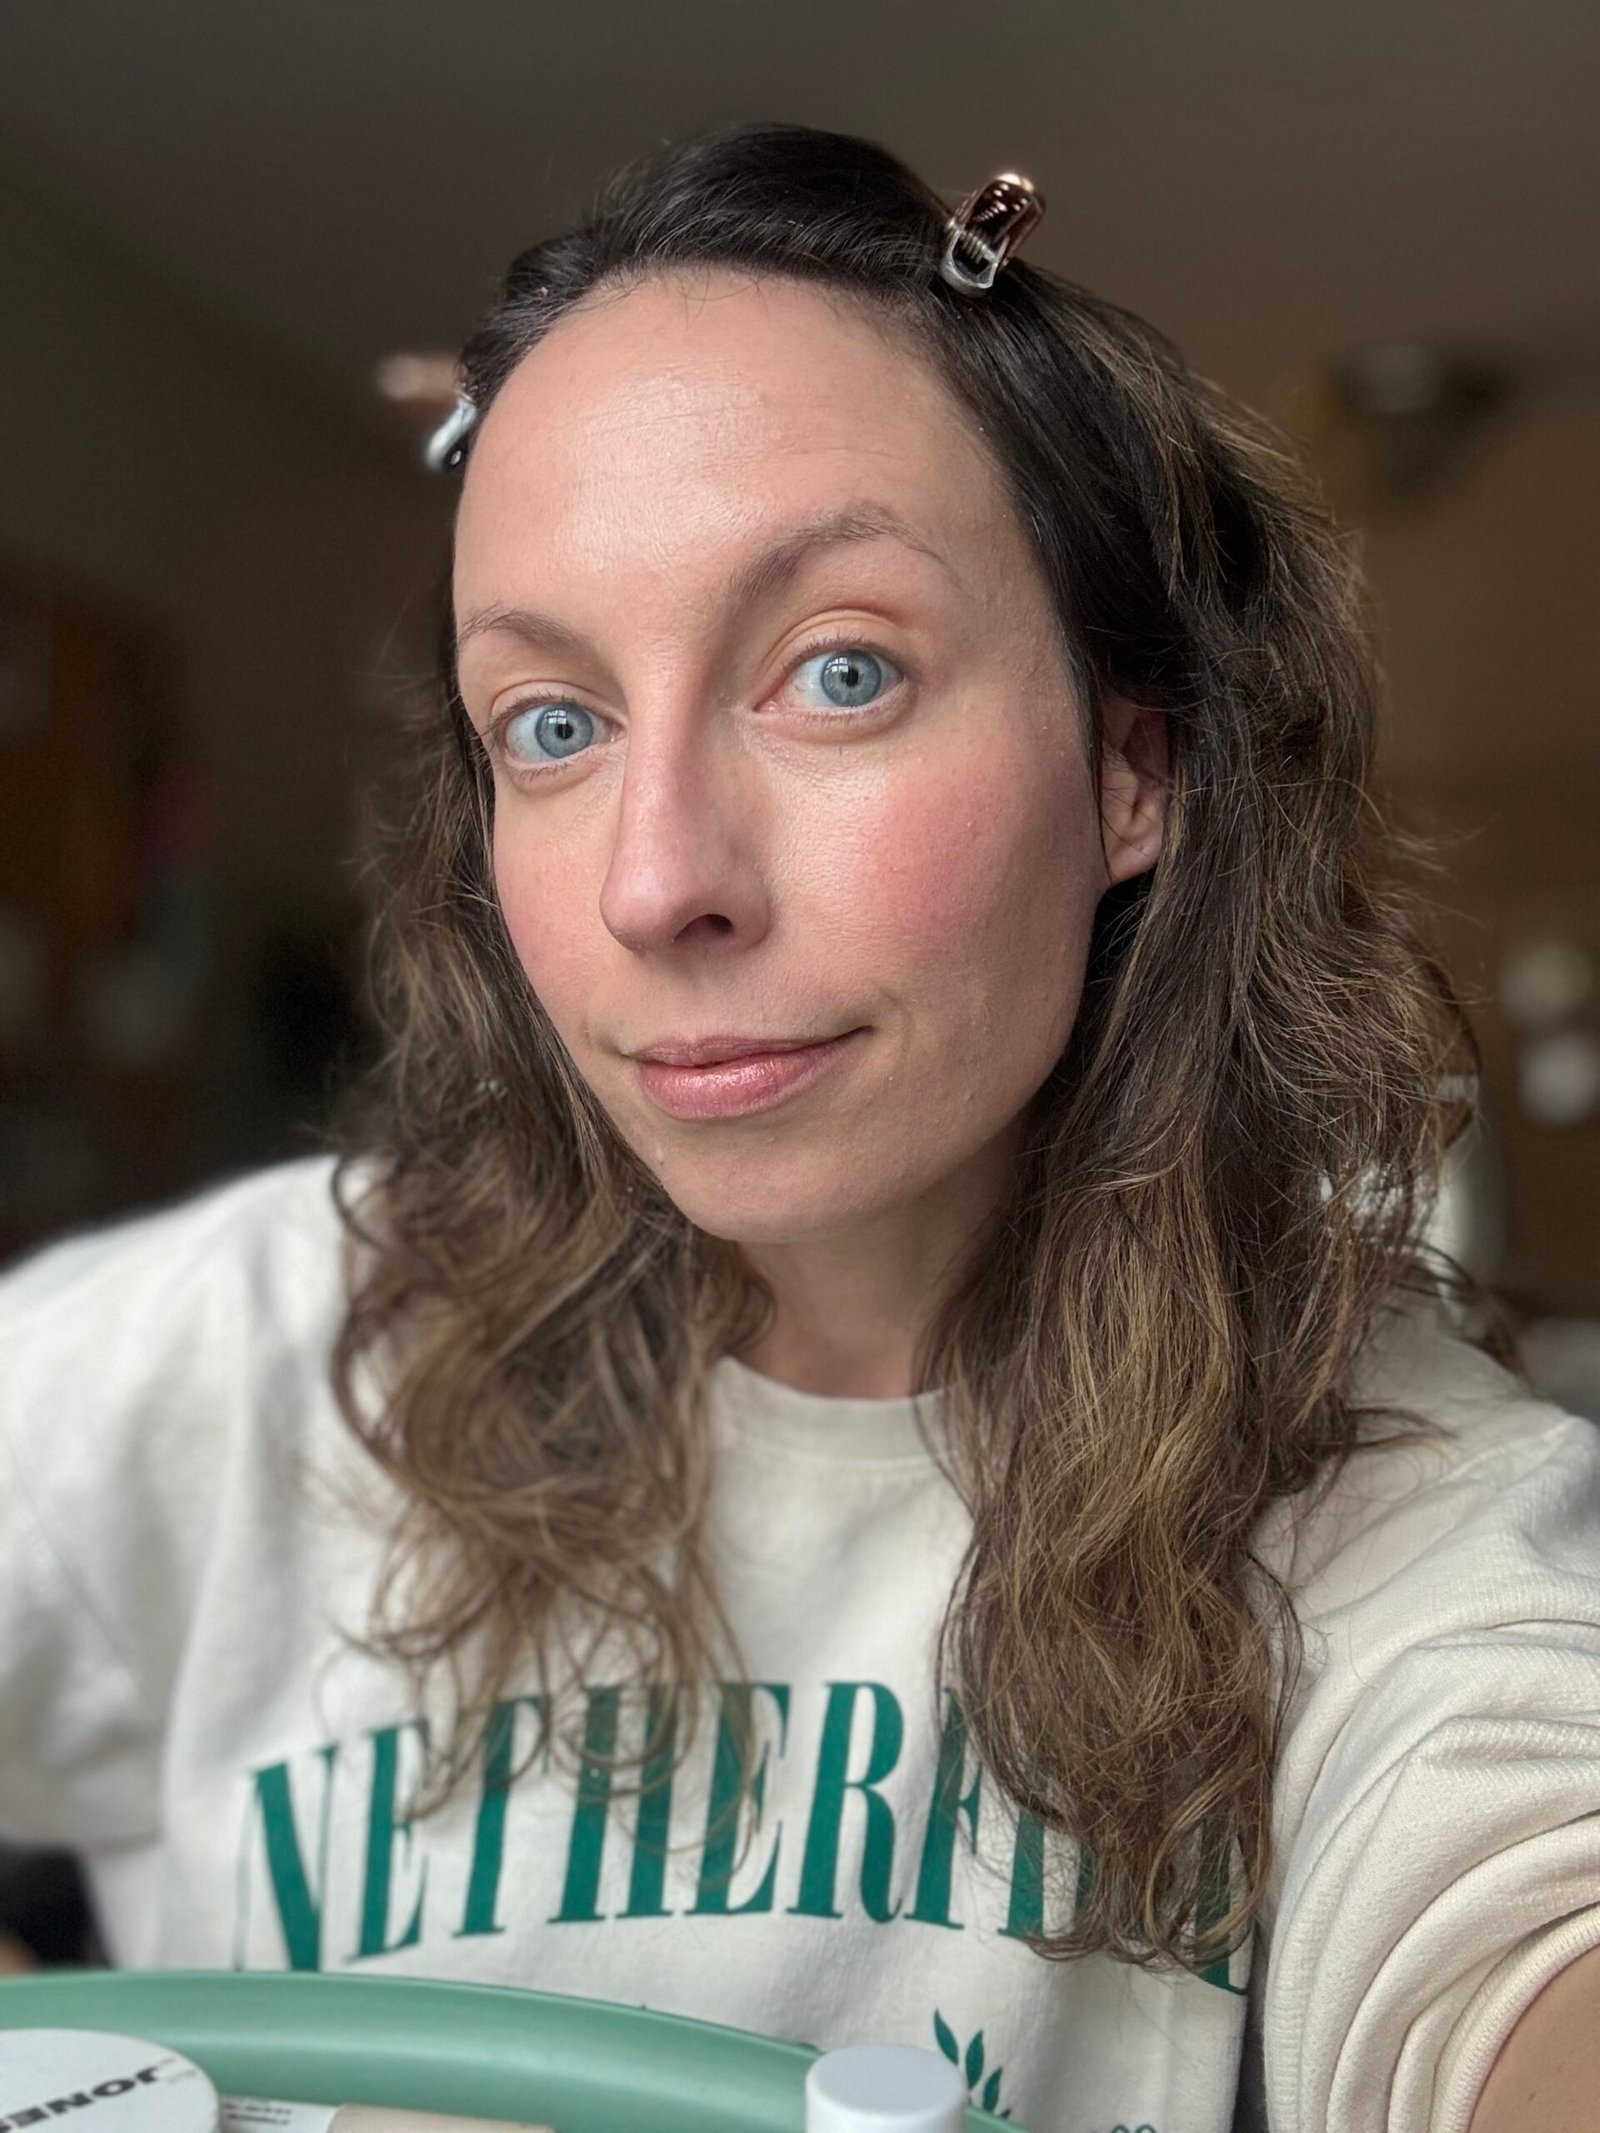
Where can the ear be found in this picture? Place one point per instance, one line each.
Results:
(1133, 778)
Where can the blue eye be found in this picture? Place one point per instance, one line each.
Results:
(549, 730)
(850, 678)
(541, 735)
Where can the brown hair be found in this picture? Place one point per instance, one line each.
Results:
(1228, 1170)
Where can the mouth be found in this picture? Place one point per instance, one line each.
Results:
(714, 1051)
(738, 1083)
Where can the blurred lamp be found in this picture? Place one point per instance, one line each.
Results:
(421, 387)
(1393, 419)
(1543, 981)
(1558, 1077)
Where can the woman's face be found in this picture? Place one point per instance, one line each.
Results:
(784, 746)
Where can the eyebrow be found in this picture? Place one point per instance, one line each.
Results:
(756, 579)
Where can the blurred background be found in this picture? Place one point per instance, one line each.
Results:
(1377, 220)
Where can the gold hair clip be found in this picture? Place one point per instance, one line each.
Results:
(987, 228)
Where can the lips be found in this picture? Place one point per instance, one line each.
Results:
(745, 1083)
(712, 1051)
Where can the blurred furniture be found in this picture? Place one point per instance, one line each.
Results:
(104, 936)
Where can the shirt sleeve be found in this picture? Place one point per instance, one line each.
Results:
(76, 1732)
(1437, 1803)
(135, 1358)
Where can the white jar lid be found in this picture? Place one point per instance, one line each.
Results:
(884, 2088)
(109, 2084)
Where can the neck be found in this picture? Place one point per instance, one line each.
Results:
(853, 1305)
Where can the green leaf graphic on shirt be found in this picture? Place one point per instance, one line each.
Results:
(971, 2065)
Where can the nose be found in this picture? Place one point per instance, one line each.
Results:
(686, 838)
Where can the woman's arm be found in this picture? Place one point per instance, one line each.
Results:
(1438, 1848)
(1548, 2071)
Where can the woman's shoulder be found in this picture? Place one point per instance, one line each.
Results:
(1438, 1764)
(175, 1318)
(164, 1379)
(1478, 1477)
(274, 1230)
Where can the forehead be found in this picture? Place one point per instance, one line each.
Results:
(702, 407)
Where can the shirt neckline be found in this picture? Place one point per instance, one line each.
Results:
(769, 1416)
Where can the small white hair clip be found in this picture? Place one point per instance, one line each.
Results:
(447, 447)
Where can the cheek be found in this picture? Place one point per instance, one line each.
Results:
(546, 931)
(977, 892)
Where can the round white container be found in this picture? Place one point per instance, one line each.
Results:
(884, 2088)
(96, 2082)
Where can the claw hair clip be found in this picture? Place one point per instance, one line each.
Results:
(447, 447)
(986, 229)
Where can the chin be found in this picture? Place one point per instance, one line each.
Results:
(762, 1221)
(791, 1203)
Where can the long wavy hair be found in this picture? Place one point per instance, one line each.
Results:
(1228, 1171)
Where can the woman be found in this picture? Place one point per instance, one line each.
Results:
(985, 1532)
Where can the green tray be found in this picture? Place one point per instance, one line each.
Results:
(584, 2066)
